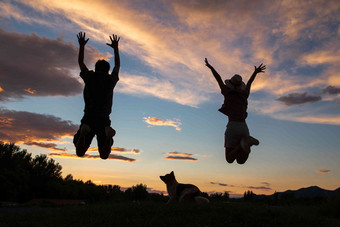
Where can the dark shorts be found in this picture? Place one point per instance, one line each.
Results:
(97, 125)
(234, 133)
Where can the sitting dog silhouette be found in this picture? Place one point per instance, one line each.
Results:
(180, 192)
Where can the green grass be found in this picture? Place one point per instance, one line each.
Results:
(158, 214)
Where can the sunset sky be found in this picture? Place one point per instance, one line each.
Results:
(165, 103)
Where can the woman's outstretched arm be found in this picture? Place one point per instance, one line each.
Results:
(257, 70)
(216, 75)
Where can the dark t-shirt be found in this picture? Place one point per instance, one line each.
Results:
(98, 92)
(235, 103)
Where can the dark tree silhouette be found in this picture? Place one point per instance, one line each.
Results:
(226, 195)
(137, 192)
(15, 168)
(248, 196)
(23, 178)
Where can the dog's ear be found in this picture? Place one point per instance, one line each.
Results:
(172, 173)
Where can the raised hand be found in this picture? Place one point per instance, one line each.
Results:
(207, 63)
(81, 39)
(260, 69)
(114, 41)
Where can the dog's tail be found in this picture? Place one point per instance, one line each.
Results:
(201, 200)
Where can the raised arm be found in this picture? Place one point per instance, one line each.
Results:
(114, 44)
(257, 70)
(216, 75)
(82, 42)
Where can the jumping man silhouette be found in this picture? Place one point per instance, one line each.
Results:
(98, 94)
(237, 139)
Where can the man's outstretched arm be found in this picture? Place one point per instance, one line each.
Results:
(82, 42)
(114, 44)
(216, 75)
(257, 70)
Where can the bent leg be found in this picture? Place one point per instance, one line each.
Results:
(232, 138)
(82, 139)
(242, 157)
(105, 141)
(246, 143)
(229, 155)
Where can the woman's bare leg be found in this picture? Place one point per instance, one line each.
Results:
(231, 153)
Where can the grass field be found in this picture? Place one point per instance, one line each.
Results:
(150, 213)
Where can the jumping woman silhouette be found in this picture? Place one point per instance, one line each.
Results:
(237, 139)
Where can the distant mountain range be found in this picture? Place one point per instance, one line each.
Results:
(311, 191)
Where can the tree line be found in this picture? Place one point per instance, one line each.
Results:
(23, 178)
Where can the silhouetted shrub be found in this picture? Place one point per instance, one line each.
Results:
(137, 192)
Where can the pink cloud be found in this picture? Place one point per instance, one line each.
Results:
(118, 149)
(181, 158)
(34, 129)
(44, 67)
(180, 154)
(158, 122)
(88, 156)
(323, 171)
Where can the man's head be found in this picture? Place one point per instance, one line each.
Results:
(102, 66)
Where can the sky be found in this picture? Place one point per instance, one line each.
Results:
(165, 103)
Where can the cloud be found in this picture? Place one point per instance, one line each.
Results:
(298, 98)
(33, 65)
(331, 56)
(266, 184)
(221, 184)
(29, 90)
(300, 43)
(258, 188)
(307, 118)
(52, 146)
(180, 154)
(11, 11)
(88, 156)
(181, 158)
(138, 85)
(323, 171)
(34, 129)
(331, 90)
(266, 187)
(248, 187)
(117, 149)
(158, 122)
